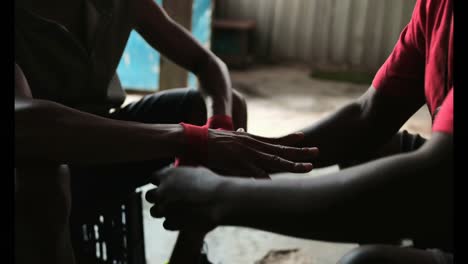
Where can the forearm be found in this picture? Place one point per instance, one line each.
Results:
(212, 73)
(317, 208)
(215, 85)
(340, 136)
(177, 44)
(358, 129)
(49, 131)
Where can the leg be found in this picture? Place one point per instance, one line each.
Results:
(166, 107)
(187, 105)
(394, 255)
(42, 208)
(179, 105)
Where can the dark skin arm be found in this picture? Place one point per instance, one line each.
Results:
(48, 131)
(337, 207)
(177, 44)
(290, 206)
(359, 128)
(294, 205)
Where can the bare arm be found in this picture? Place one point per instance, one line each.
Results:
(359, 128)
(46, 130)
(292, 207)
(177, 44)
(336, 207)
(49, 131)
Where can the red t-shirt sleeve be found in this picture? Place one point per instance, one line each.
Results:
(402, 74)
(444, 119)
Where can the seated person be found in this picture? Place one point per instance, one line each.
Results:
(74, 156)
(386, 197)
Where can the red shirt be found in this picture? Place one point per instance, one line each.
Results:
(420, 65)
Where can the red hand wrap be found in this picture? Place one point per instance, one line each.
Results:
(220, 121)
(196, 144)
(197, 139)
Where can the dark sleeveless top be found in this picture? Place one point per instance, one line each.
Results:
(60, 68)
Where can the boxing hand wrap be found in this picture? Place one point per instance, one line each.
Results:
(223, 122)
(197, 139)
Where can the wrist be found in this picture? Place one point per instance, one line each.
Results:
(178, 138)
(195, 142)
(221, 106)
(167, 139)
(230, 197)
(220, 122)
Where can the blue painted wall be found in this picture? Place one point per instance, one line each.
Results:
(201, 27)
(139, 66)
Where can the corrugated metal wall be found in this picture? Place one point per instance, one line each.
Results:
(357, 33)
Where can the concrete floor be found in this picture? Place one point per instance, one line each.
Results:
(281, 99)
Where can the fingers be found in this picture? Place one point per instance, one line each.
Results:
(182, 216)
(294, 154)
(160, 175)
(156, 197)
(170, 225)
(278, 164)
(282, 146)
(158, 210)
(153, 195)
(289, 153)
(172, 222)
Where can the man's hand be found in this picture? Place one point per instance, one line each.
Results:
(186, 197)
(242, 154)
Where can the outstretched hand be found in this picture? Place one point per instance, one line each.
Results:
(242, 154)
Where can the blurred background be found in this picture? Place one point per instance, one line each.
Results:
(295, 61)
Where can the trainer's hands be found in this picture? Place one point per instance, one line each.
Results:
(191, 199)
(187, 198)
(242, 154)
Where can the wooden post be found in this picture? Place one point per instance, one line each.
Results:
(171, 75)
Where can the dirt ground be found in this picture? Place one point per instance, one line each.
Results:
(280, 99)
(286, 98)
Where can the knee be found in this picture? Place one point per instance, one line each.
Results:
(43, 196)
(42, 208)
(364, 255)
